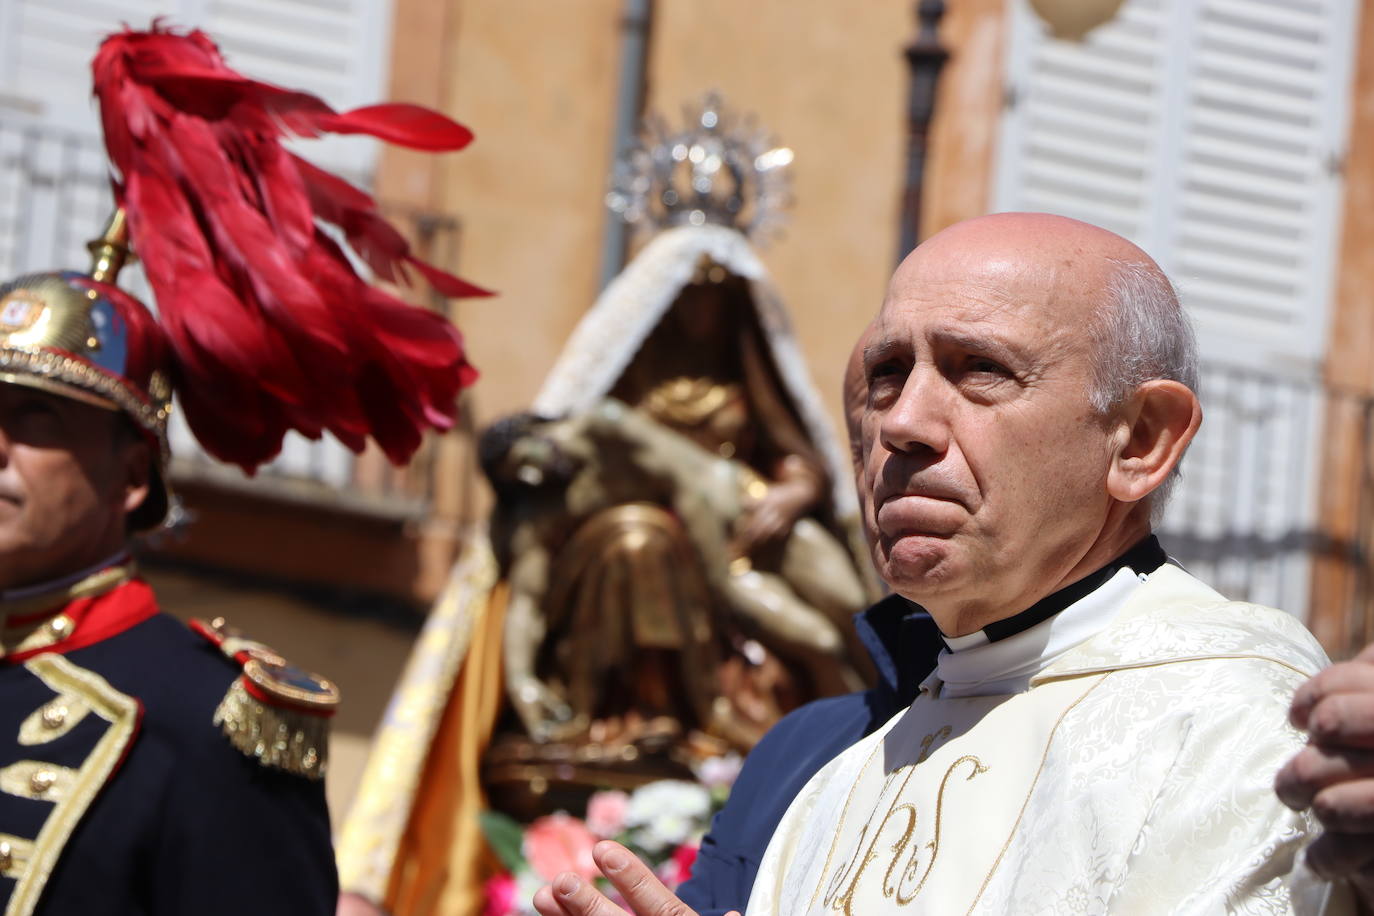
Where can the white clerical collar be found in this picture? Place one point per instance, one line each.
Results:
(1003, 657)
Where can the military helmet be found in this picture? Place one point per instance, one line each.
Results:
(80, 336)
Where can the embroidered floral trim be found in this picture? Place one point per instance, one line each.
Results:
(122, 712)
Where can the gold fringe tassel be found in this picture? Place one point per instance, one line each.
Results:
(283, 739)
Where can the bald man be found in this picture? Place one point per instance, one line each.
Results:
(1101, 731)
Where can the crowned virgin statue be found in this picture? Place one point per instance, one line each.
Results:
(672, 562)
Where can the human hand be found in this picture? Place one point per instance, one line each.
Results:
(357, 905)
(569, 895)
(1334, 774)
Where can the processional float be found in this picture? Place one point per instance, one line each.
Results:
(672, 561)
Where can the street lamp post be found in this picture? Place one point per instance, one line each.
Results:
(926, 56)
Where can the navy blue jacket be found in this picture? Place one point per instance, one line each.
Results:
(904, 643)
(184, 823)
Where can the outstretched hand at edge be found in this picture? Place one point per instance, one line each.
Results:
(1334, 774)
(569, 895)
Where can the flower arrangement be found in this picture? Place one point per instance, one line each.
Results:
(661, 822)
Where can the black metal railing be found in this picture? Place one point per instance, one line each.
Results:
(1247, 515)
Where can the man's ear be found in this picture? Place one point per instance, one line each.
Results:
(1157, 423)
(138, 472)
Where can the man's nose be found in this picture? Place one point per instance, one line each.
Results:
(919, 420)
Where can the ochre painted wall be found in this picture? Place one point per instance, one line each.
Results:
(537, 82)
(829, 81)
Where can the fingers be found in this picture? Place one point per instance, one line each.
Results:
(1347, 807)
(569, 895)
(351, 904)
(636, 882)
(1336, 855)
(1316, 768)
(1334, 694)
(546, 904)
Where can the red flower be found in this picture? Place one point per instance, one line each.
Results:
(502, 895)
(679, 868)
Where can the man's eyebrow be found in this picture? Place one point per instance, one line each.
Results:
(992, 344)
(981, 343)
(881, 349)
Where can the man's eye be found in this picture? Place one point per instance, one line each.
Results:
(984, 366)
(883, 370)
(32, 409)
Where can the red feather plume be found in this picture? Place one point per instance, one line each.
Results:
(271, 326)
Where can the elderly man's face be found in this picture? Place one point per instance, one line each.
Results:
(985, 463)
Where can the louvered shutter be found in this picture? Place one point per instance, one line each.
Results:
(1209, 132)
(333, 48)
(1082, 131)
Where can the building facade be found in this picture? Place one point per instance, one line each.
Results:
(1230, 138)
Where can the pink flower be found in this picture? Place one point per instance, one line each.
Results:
(720, 772)
(606, 813)
(559, 843)
(502, 895)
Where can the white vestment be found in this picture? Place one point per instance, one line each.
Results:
(1134, 775)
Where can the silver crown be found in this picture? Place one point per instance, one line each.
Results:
(719, 169)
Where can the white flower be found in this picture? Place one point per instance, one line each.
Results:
(664, 814)
(527, 883)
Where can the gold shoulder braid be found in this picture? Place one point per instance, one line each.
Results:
(274, 712)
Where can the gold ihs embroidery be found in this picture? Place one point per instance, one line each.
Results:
(928, 742)
(901, 883)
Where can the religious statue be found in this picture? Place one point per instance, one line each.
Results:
(628, 577)
(672, 562)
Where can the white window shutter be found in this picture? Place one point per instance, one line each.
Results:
(1257, 182)
(1210, 132)
(1081, 131)
(336, 49)
(47, 47)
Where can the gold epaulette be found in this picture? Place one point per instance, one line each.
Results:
(273, 712)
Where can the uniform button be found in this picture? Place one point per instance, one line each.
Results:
(42, 780)
(6, 855)
(54, 716)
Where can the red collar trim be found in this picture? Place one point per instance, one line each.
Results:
(98, 619)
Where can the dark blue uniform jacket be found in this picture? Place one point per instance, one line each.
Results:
(185, 823)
